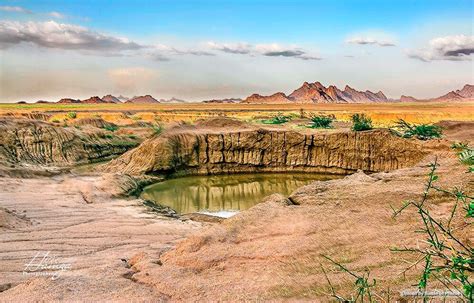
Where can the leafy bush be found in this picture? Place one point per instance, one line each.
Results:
(321, 122)
(55, 121)
(278, 119)
(72, 115)
(361, 122)
(110, 127)
(419, 131)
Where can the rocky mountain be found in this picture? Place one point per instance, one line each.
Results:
(467, 91)
(142, 99)
(318, 93)
(275, 98)
(227, 100)
(111, 99)
(69, 101)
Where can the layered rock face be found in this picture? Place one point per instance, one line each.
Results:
(260, 150)
(32, 142)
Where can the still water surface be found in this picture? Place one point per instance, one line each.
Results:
(224, 195)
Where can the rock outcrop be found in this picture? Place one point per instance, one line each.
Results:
(195, 151)
(25, 141)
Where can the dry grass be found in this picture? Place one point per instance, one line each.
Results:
(122, 114)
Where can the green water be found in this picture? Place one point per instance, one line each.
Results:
(223, 195)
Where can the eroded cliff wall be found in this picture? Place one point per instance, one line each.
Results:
(260, 150)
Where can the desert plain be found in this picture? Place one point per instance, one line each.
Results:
(71, 176)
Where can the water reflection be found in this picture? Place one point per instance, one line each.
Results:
(224, 192)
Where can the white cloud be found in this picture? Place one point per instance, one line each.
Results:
(269, 50)
(56, 15)
(368, 40)
(453, 48)
(51, 34)
(15, 9)
(232, 48)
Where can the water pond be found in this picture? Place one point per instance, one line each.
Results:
(224, 195)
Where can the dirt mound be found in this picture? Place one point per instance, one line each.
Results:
(32, 116)
(96, 122)
(458, 131)
(222, 122)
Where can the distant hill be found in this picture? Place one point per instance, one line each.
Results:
(142, 99)
(93, 100)
(69, 101)
(227, 100)
(122, 98)
(111, 99)
(172, 100)
(275, 98)
(318, 93)
(464, 94)
(404, 98)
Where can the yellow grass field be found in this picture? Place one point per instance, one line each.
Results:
(382, 114)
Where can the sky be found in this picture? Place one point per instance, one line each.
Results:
(197, 50)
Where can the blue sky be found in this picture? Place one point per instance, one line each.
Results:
(207, 49)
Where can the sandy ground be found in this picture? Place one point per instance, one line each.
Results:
(114, 250)
(273, 250)
(97, 239)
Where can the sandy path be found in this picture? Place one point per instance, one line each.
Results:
(50, 215)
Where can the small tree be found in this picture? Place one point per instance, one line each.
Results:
(361, 122)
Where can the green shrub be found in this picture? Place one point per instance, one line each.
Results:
(321, 122)
(72, 115)
(361, 122)
(55, 121)
(419, 131)
(278, 119)
(465, 154)
(157, 129)
(110, 127)
(132, 137)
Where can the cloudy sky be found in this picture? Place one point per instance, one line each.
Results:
(197, 50)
